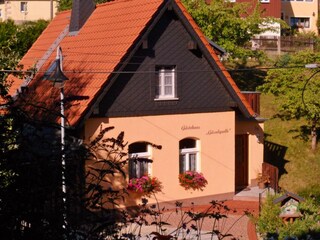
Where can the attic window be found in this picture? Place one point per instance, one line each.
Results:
(166, 83)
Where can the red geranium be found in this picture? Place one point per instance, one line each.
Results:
(192, 180)
(145, 185)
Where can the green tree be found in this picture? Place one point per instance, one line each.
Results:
(297, 90)
(230, 25)
(67, 4)
(15, 40)
(271, 226)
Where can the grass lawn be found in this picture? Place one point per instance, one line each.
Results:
(301, 165)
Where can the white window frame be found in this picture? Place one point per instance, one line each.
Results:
(146, 155)
(164, 72)
(265, 1)
(23, 6)
(187, 152)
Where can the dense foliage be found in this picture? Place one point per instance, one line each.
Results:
(230, 25)
(296, 89)
(67, 4)
(15, 40)
(271, 226)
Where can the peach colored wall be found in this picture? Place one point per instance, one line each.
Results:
(301, 9)
(35, 10)
(216, 132)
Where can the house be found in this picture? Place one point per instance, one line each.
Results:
(302, 15)
(21, 11)
(145, 68)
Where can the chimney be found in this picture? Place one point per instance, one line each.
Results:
(81, 11)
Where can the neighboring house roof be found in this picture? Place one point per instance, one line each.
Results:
(100, 49)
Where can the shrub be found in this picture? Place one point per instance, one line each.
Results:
(269, 224)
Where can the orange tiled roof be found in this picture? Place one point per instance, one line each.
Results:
(91, 55)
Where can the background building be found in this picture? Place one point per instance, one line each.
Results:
(33, 10)
(302, 14)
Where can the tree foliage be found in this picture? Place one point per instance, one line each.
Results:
(230, 25)
(15, 40)
(297, 89)
(271, 226)
(67, 4)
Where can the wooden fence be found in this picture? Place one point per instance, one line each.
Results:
(283, 44)
(273, 173)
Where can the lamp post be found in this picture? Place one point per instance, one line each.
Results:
(56, 75)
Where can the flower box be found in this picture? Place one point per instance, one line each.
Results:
(145, 185)
(192, 180)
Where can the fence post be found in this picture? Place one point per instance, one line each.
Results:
(279, 45)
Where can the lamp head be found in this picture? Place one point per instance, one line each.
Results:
(55, 74)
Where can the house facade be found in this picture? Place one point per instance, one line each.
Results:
(302, 15)
(32, 10)
(160, 82)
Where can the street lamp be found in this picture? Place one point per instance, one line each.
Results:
(56, 75)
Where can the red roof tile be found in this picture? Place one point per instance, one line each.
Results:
(93, 53)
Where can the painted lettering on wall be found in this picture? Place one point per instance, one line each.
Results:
(189, 127)
(218, 131)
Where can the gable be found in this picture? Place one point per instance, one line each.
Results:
(198, 87)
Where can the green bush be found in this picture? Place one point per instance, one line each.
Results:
(312, 191)
(270, 225)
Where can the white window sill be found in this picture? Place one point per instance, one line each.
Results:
(166, 99)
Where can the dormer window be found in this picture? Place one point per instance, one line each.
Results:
(166, 83)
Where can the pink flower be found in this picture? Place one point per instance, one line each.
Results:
(192, 180)
(145, 185)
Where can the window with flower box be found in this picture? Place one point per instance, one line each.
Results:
(140, 159)
(189, 155)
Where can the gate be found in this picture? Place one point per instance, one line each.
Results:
(273, 173)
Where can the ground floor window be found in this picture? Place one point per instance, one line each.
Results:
(139, 159)
(189, 155)
(300, 22)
